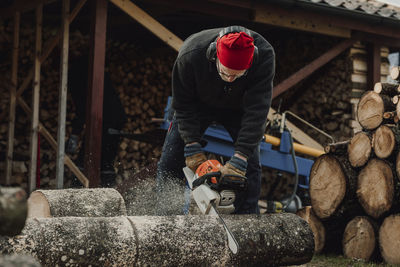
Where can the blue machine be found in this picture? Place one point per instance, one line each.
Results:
(220, 143)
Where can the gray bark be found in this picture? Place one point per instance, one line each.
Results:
(13, 210)
(95, 202)
(278, 239)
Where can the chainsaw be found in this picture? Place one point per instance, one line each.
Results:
(214, 193)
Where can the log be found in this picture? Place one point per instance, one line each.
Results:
(395, 99)
(360, 239)
(370, 109)
(383, 141)
(375, 188)
(278, 239)
(339, 147)
(359, 149)
(18, 260)
(395, 73)
(95, 202)
(389, 236)
(332, 180)
(13, 210)
(388, 89)
(316, 225)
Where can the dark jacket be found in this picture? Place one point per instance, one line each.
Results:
(197, 85)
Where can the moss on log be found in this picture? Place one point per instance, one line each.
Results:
(273, 239)
(96, 202)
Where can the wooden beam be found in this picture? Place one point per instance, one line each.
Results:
(62, 97)
(293, 19)
(94, 104)
(312, 67)
(149, 23)
(13, 93)
(49, 47)
(373, 65)
(35, 100)
(53, 143)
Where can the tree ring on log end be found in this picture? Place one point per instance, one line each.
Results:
(383, 142)
(327, 185)
(370, 110)
(389, 236)
(359, 240)
(375, 189)
(359, 149)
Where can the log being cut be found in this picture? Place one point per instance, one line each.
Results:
(13, 210)
(96, 202)
(273, 239)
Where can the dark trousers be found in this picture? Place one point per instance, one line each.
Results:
(172, 161)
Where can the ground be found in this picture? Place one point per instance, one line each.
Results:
(336, 261)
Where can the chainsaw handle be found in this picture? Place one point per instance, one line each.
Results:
(199, 181)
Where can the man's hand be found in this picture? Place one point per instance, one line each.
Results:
(237, 165)
(194, 156)
(72, 144)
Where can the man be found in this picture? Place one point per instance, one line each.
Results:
(223, 76)
(114, 117)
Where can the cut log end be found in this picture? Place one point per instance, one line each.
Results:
(370, 110)
(395, 73)
(359, 149)
(389, 236)
(38, 206)
(375, 189)
(327, 185)
(383, 142)
(359, 240)
(316, 226)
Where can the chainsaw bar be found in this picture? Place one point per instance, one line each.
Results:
(232, 242)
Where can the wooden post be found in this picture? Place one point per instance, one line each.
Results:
(35, 99)
(373, 65)
(13, 92)
(94, 104)
(62, 103)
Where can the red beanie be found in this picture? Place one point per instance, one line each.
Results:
(235, 50)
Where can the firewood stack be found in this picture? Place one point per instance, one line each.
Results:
(354, 187)
(141, 77)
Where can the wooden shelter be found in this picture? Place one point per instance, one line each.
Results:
(371, 22)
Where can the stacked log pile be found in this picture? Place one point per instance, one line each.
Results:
(143, 83)
(355, 187)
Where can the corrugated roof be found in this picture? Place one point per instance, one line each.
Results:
(371, 7)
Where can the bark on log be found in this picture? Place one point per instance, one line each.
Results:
(383, 141)
(389, 236)
(398, 165)
(316, 225)
(359, 149)
(18, 260)
(375, 188)
(360, 239)
(278, 239)
(332, 180)
(98, 202)
(370, 109)
(388, 89)
(13, 210)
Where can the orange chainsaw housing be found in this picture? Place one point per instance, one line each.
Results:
(211, 165)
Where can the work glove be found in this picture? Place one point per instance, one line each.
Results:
(194, 156)
(72, 144)
(235, 166)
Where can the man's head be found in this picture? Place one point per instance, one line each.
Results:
(235, 53)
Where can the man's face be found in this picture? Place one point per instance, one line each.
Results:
(227, 74)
